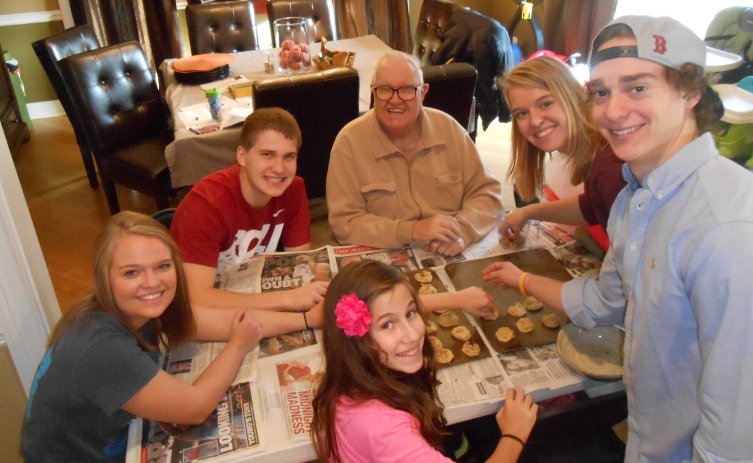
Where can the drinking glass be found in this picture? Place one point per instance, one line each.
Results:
(510, 240)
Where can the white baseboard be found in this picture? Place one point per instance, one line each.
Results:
(33, 17)
(44, 109)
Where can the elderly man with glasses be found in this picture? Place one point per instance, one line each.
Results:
(403, 173)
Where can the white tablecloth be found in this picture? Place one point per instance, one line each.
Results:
(190, 157)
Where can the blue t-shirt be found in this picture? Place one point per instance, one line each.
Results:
(74, 410)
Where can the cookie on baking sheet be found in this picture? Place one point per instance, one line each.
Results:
(435, 342)
(492, 314)
(517, 310)
(448, 320)
(461, 333)
(427, 289)
(424, 276)
(431, 327)
(444, 355)
(525, 325)
(505, 334)
(550, 320)
(532, 304)
(471, 349)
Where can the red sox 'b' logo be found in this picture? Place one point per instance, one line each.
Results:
(660, 44)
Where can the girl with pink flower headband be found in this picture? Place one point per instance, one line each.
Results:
(377, 400)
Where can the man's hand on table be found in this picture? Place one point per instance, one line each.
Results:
(452, 248)
(307, 296)
(443, 228)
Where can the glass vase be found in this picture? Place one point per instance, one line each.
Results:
(291, 36)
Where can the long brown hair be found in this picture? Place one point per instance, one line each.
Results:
(353, 368)
(583, 139)
(175, 326)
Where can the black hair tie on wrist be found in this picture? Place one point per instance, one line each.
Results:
(305, 320)
(513, 437)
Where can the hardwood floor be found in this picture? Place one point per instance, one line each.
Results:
(68, 214)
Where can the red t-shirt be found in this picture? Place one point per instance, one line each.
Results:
(214, 226)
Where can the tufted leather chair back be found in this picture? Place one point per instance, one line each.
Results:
(124, 118)
(451, 89)
(433, 21)
(221, 27)
(50, 51)
(117, 95)
(320, 15)
(322, 103)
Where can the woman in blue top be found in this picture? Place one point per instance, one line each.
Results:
(102, 367)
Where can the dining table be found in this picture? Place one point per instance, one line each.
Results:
(191, 156)
(470, 389)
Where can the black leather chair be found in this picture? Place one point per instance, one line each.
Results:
(451, 89)
(221, 27)
(50, 51)
(124, 119)
(320, 15)
(322, 103)
(165, 216)
(433, 21)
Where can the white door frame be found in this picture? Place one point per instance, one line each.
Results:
(28, 306)
(65, 11)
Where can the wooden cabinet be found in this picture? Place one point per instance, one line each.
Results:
(16, 131)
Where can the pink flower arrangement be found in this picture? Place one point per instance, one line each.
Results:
(352, 315)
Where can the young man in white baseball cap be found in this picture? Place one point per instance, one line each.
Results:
(679, 268)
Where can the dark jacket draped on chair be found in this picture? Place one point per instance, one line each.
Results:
(484, 42)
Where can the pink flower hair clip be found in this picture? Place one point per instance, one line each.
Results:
(352, 315)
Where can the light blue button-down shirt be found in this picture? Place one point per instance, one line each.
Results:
(679, 274)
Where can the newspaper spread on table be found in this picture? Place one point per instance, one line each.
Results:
(269, 405)
(232, 425)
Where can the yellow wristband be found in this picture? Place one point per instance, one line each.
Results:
(521, 280)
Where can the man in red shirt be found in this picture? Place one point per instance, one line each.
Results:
(247, 209)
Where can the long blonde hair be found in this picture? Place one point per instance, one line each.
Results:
(176, 325)
(583, 139)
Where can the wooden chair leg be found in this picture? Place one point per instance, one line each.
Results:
(163, 202)
(91, 172)
(111, 195)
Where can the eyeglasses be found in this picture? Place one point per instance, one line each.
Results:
(385, 92)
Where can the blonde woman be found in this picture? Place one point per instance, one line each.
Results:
(102, 365)
(551, 112)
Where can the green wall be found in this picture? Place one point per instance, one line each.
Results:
(17, 40)
(26, 6)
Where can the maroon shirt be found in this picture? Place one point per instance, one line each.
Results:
(600, 190)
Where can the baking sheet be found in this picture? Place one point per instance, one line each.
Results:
(444, 334)
(537, 261)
